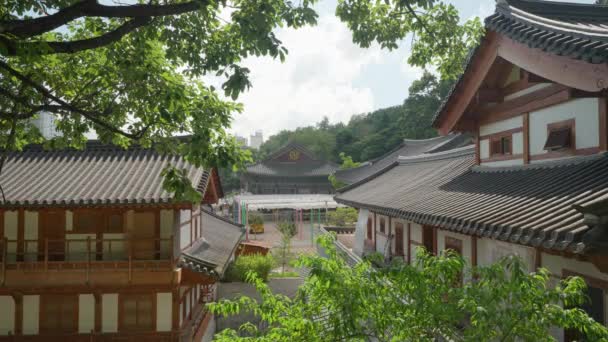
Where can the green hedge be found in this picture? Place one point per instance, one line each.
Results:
(260, 264)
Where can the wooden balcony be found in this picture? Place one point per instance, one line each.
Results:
(85, 257)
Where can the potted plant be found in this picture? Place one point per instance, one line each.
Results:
(256, 224)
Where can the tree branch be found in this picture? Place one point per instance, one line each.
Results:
(415, 15)
(26, 28)
(45, 48)
(66, 106)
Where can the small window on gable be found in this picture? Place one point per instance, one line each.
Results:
(501, 145)
(560, 136)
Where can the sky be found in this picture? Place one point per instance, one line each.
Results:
(325, 74)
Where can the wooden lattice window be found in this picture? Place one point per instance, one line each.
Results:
(137, 312)
(453, 244)
(399, 239)
(501, 145)
(59, 313)
(382, 225)
(560, 136)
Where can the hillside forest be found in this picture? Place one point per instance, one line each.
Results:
(366, 136)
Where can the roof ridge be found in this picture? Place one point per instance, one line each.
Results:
(541, 165)
(428, 157)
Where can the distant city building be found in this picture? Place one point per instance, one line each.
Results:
(241, 140)
(256, 140)
(45, 122)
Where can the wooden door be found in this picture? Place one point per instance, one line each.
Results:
(52, 232)
(399, 239)
(428, 239)
(369, 229)
(144, 235)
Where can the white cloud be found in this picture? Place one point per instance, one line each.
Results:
(316, 80)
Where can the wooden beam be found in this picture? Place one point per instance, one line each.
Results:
(549, 96)
(472, 80)
(559, 69)
(477, 147)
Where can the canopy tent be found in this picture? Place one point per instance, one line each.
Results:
(295, 201)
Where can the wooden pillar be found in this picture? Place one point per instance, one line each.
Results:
(603, 120)
(175, 310)
(474, 251)
(409, 243)
(375, 249)
(157, 242)
(526, 135)
(477, 146)
(390, 241)
(98, 312)
(18, 298)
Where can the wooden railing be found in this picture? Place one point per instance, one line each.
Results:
(45, 254)
(168, 336)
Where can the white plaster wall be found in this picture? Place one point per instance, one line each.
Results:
(69, 220)
(116, 242)
(360, 231)
(77, 250)
(10, 232)
(7, 315)
(30, 232)
(86, 313)
(31, 314)
(467, 251)
(490, 251)
(501, 126)
(556, 264)
(484, 149)
(166, 231)
(518, 143)
(184, 216)
(527, 91)
(512, 162)
(164, 304)
(585, 113)
(109, 312)
(415, 236)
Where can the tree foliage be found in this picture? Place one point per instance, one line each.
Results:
(130, 72)
(419, 302)
(368, 136)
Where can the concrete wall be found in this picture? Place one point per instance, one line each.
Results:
(585, 113)
(7, 315)
(109, 312)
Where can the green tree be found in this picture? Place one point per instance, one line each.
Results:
(130, 72)
(419, 302)
(347, 163)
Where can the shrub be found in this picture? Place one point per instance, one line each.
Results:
(260, 264)
(342, 216)
(287, 229)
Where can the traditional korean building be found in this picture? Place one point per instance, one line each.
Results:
(93, 249)
(409, 147)
(292, 169)
(535, 183)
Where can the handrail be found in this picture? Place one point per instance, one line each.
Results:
(87, 250)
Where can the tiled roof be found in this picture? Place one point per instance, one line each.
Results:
(530, 205)
(409, 147)
(97, 175)
(579, 31)
(310, 169)
(213, 252)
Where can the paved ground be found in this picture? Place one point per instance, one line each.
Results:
(302, 242)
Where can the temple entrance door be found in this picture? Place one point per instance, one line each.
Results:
(52, 232)
(143, 236)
